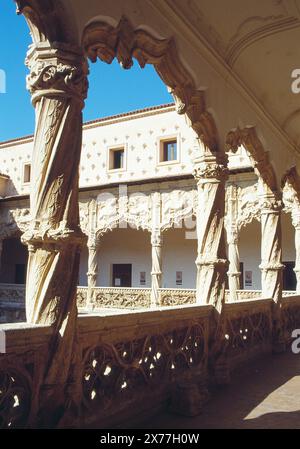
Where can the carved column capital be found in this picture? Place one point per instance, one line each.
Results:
(209, 169)
(270, 204)
(59, 71)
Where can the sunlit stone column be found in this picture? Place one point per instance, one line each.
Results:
(211, 262)
(92, 273)
(232, 241)
(58, 85)
(271, 248)
(296, 224)
(156, 249)
(234, 263)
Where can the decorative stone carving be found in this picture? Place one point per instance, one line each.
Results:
(92, 273)
(105, 42)
(248, 205)
(232, 240)
(120, 298)
(271, 250)
(177, 205)
(156, 244)
(141, 363)
(58, 85)
(176, 297)
(210, 173)
(248, 138)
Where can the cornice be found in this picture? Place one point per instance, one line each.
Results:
(193, 37)
(103, 121)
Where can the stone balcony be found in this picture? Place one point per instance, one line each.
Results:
(133, 364)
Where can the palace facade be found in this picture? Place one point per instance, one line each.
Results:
(138, 211)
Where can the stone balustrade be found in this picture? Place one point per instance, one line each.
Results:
(130, 364)
(12, 299)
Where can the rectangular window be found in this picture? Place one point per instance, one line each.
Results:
(116, 158)
(27, 173)
(168, 151)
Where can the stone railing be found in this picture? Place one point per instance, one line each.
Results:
(290, 315)
(12, 303)
(130, 365)
(248, 329)
(126, 365)
(176, 297)
(121, 298)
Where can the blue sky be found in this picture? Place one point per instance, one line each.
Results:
(112, 89)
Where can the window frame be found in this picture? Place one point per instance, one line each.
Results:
(160, 149)
(26, 164)
(113, 149)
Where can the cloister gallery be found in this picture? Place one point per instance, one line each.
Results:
(147, 255)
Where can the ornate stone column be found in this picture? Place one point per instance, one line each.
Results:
(156, 245)
(296, 224)
(156, 272)
(211, 174)
(232, 241)
(234, 263)
(271, 249)
(92, 273)
(271, 266)
(58, 85)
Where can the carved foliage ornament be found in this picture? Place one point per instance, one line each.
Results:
(248, 138)
(209, 171)
(101, 40)
(61, 71)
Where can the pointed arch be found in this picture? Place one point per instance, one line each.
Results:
(123, 42)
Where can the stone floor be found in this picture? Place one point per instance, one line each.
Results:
(265, 394)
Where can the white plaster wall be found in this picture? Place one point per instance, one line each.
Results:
(134, 247)
(139, 133)
(179, 254)
(119, 246)
(249, 247)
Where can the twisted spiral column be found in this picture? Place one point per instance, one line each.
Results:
(271, 247)
(58, 86)
(156, 272)
(234, 263)
(92, 273)
(211, 261)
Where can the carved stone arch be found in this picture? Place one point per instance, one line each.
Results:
(47, 20)
(290, 185)
(124, 42)
(262, 165)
